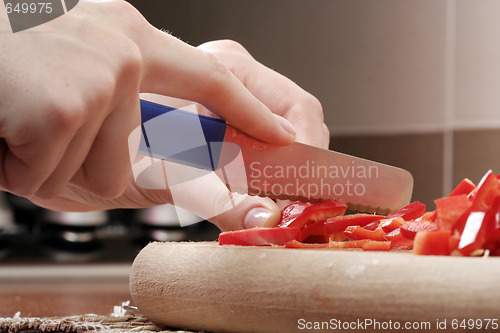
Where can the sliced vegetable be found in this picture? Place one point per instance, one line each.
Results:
(466, 186)
(356, 233)
(292, 212)
(355, 244)
(339, 223)
(293, 244)
(450, 209)
(432, 243)
(376, 246)
(486, 193)
(401, 243)
(466, 222)
(259, 236)
(316, 212)
(409, 229)
(410, 212)
(312, 229)
(389, 225)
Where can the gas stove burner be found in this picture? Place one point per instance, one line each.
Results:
(62, 251)
(167, 216)
(88, 219)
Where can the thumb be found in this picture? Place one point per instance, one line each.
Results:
(251, 212)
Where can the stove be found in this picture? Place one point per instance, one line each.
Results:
(36, 236)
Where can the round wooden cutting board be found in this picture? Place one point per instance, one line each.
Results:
(204, 286)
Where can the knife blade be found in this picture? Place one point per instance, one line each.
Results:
(296, 172)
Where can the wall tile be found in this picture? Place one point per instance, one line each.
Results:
(421, 154)
(475, 152)
(376, 66)
(477, 73)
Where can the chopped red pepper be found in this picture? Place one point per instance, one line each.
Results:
(259, 236)
(401, 243)
(493, 228)
(391, 224)
(410, 212)
(339, 223)
(316, 212)
(473, 236)
(372, 245)
(355, 244)
(372, 226)
(312, 229)
(292, 212)
(466, 222)
(466, 186)
(450, 209)
(409, 229)
(356, 232)
(486, 193)
(294, 244)
(432, 243)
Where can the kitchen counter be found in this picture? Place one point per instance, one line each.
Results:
(62, 290)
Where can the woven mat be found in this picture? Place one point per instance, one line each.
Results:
(120, 320)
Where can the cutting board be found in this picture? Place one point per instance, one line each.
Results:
(203, 286)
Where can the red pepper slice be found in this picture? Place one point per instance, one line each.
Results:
(355, 244)
(317, 212)
(450, 209)
(401, 243)
(486, 193)
(410, 212)
(372, 245)
(466, 186)
(393, 234)
(473, 233)
(391, 224)
(410, 228)
(432, 243)
(340, 223)
(293, 244)
(259, 236)
(312, 229)
(493, 228)
(356, 232)
(473, 236)
(372, 226)
(292, 212)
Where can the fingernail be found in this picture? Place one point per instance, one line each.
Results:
(286, 125)
(256, 217)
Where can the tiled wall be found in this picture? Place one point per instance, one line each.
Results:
(413, 83)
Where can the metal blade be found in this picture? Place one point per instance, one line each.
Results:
(301, 172)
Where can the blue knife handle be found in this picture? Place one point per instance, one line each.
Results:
(180, 136)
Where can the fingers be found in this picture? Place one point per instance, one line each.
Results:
(250, 213)
(179, 70)
(106, 169)
(34, 145)
(204, 193)
(277, 92)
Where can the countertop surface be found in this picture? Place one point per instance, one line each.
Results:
(62, 290)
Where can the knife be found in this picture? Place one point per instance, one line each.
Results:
(296, 172)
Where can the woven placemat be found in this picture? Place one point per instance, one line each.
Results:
(120, 320)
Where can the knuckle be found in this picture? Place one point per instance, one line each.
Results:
(232, 45)
(66, 117)
(313, 104)
(132, 64)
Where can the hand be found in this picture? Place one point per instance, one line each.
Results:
(281, 96)
(69, 91)
(65, 124)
